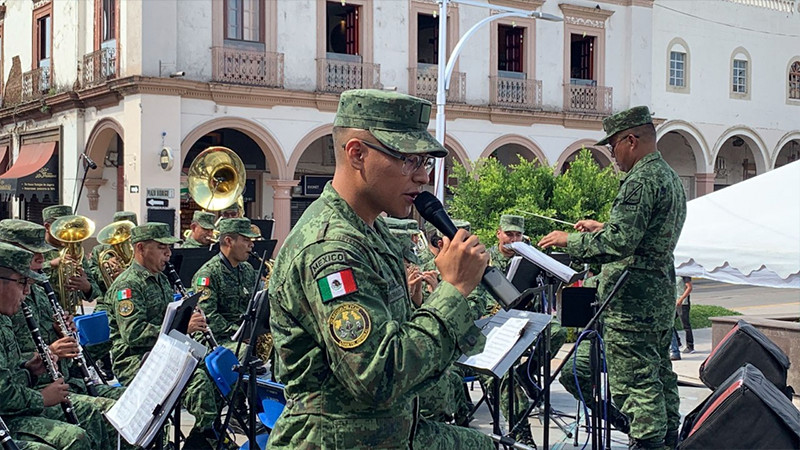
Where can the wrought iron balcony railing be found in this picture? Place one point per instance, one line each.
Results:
(336, 76)
(252, 68)
(99, 66)
(35, 83)
(516, 93)
(426, 79)
(587, 99)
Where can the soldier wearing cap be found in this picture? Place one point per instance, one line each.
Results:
(227, 279)
(510, 230)
(31, 414)
(646, 219)
(94, 268)
(351, 351)
(85, 282)
(30, 236)
(137, 301)
(201, 230)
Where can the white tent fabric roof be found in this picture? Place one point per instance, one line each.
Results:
(748, 233)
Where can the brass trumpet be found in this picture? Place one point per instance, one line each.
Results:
(71, 230)
(115, 260)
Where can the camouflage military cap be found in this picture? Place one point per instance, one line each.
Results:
(204, 219)
(27, 235)
(398, 121)
(153, 231)
(621, 121)
(240, 225)
(125, 215)
(52, 213)
(462, 224)
(510, 222)
(18, 260)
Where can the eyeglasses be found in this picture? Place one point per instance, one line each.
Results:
(410, 163)
(611, 146)
(25, 281)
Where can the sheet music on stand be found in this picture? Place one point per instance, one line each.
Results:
(140, 412)
(508, 335)
(179, 313)
(563, 272)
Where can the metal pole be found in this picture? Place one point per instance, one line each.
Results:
(441, 98)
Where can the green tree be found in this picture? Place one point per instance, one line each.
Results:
(481, 196)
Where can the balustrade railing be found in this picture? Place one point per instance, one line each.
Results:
(426, 84)
(336, 76)
(516, 93)
(252, 68)
(35, 83)
(99, 66)
(587, 99)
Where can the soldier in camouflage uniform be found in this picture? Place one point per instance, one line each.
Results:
(139, 299)
(34, 415)
(202, 229)
(640, 236)
(351, 351)
(92, 262)
(85, 282)
(30, 236)
(226, 280)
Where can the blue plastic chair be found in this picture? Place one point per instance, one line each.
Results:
(93, 328)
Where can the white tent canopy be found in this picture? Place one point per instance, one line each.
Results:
(748, 233)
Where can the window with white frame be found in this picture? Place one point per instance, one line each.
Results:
(739, 80)
(794, 81)
(243, 20)
(677, 69)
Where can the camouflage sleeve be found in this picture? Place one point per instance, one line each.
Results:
(622, 233)
(372, 353)
(209, 301)
(18, 398)
(131, 316)
(95, 274)
(96, 292)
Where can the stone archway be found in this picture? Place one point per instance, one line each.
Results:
(507, 149)
(787, 150)
(682, 147)
(105, 187)
(739, 154)
(599, 152)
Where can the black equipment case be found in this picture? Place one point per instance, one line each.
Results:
(745, 344)
(747, 411)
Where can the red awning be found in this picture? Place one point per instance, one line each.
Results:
(32, 157)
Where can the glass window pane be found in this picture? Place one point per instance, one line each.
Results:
(250, 20)
(233, 13)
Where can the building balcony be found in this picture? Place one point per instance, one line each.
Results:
(587, 99)
(35, 84)
(252, 68)
(335, 75)
(519, 93)
(425, 83)
(99, 66)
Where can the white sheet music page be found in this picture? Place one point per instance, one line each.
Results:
(498, 343)
(132, 414)
(562, 272)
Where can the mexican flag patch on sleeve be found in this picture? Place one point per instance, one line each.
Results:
(337, 284)
(123, 294)
(204, 281)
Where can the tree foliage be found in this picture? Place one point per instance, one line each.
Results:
(584, 191)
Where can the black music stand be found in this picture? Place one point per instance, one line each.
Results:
(187, 261)
(536, 323)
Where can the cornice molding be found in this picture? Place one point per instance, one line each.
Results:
(111, 93)
(581, 15)
(531, 5)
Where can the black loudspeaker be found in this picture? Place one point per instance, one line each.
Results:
(746, 411)
(745, 344)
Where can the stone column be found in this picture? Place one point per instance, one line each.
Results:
(92, 185)
(704, 183)
(281, 206)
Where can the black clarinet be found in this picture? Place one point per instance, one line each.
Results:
(5, 437)
(175, 279)
(90, 376)
(47, 357)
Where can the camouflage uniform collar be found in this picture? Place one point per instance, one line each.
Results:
(227, 263)
(379, 235)
(648, 158)
(140, 268)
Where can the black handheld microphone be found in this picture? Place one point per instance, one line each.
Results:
(431, 209)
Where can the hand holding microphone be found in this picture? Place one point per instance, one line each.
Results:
(463, 255)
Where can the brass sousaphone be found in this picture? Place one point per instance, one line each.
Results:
(113, 261)
(216, 178)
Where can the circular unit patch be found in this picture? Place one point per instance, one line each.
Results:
(125, 308)
(349, 325)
